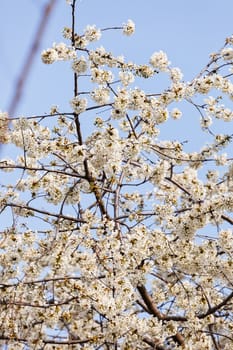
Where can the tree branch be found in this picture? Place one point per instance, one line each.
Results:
(155, 311)
(215, 308)
(29, 60)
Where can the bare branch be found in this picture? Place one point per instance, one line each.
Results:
(31, 55)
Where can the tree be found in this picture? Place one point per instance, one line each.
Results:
(119, 239)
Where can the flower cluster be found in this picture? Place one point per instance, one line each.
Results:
(116, 218)
(129, 27)
(91, 33)
(80, 65)
(4, 121)
(78, 105)
(159, 60)
(59, 52)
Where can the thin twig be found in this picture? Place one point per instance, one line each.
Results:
(30, 58)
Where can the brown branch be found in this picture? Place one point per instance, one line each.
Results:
(44, 116)
(210, 326)
(73, 44)
(155, 344)
(68, 342)
(155, 311)
(89, 178)
(46, 280)
(95, 190)
(75, 78)
(14, 339)
(178, 185)
(31, 209)
(117, 200)
(48, 341)
(213, 309)
(39, 306)
(25, 167)
(31, 55)
(149, 302)
(226, 218)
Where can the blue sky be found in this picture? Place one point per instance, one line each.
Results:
(187, 30)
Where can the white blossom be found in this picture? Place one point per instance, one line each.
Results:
(101, 95)
(176, 113)
(67, 33)
(129, 27)
(159, 60)
(78, 105)
(49, 56)
(126, 78)
(80, 65)
(91, 33)
(101, 76)
(227, 53)
(176, 74)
